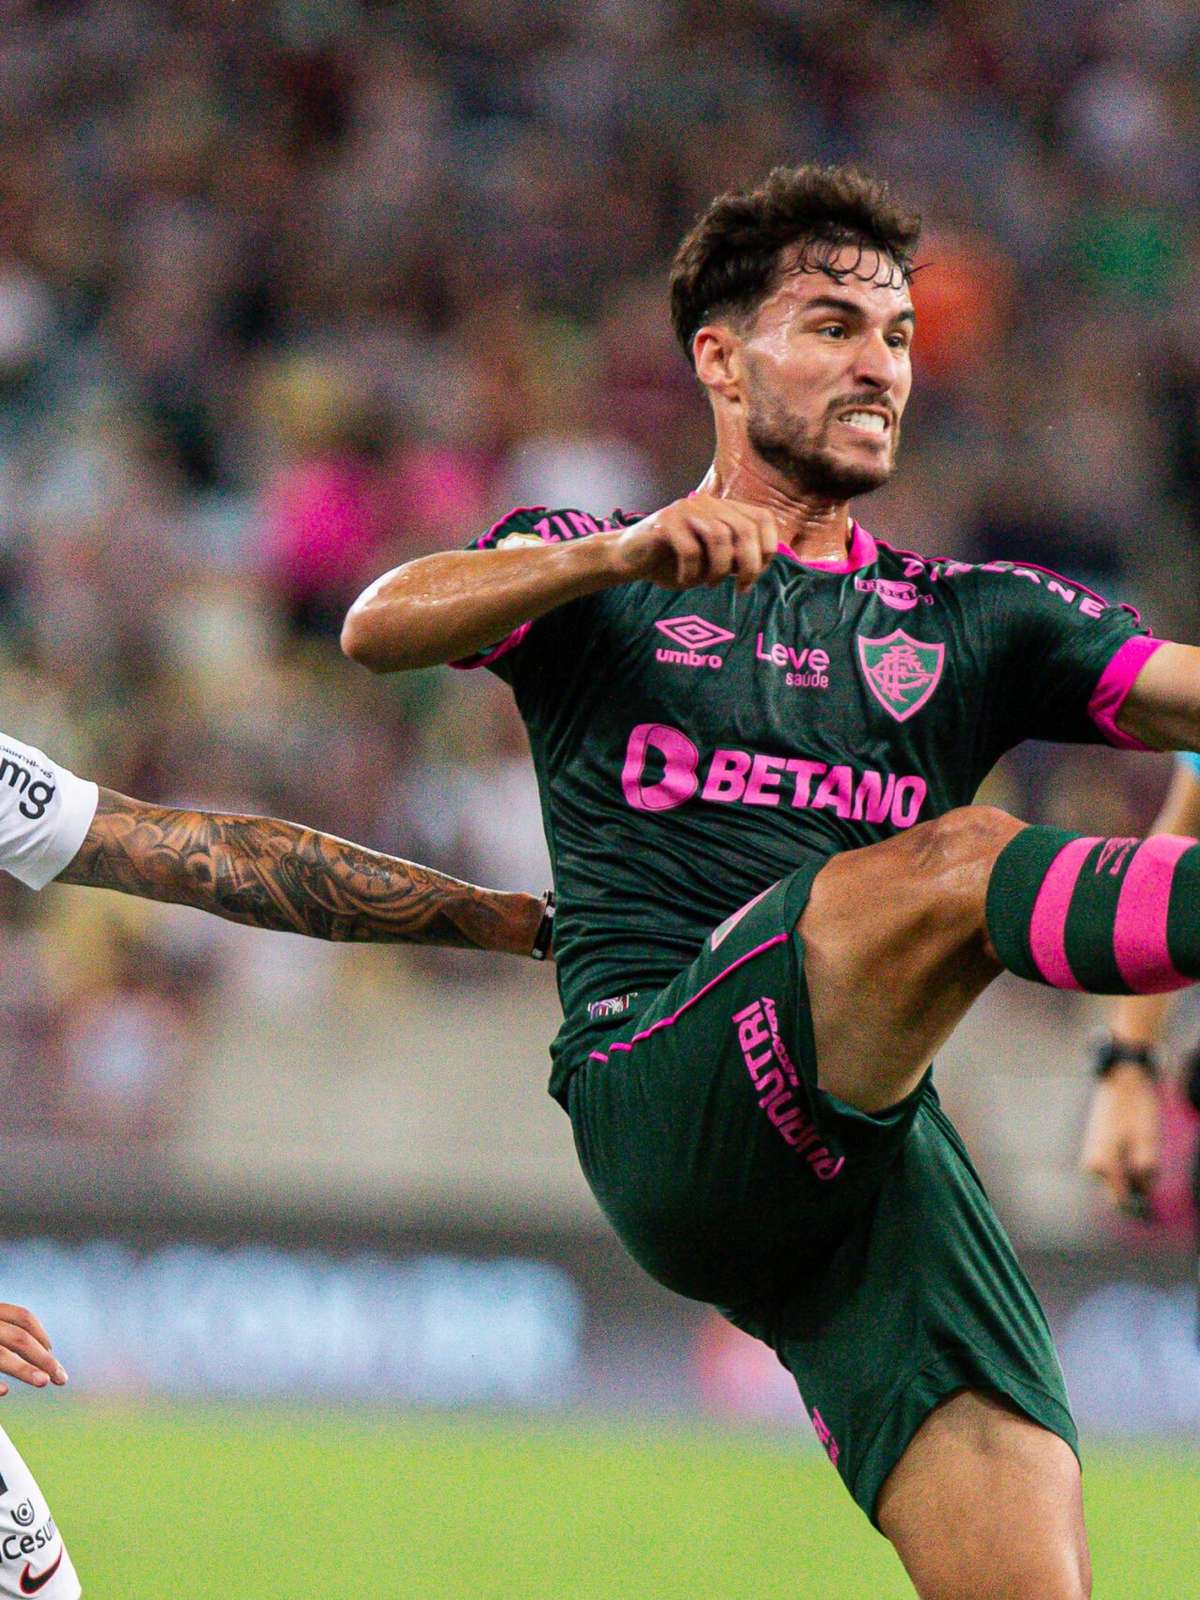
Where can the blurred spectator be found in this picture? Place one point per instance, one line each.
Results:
(290, 293)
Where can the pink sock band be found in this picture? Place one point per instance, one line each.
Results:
(1048, 925)
(1140, 930)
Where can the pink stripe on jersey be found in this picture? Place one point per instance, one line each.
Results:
(666, 1022)
(862, 552)
(1115, 683)
(1140, 928)
(1048, 924)
(494, 654)
(469, 663)
(500, 521)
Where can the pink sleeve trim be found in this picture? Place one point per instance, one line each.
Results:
(471, 662)
(516, 511)
(1115, 683)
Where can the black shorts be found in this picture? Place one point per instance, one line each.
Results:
(861, 1248)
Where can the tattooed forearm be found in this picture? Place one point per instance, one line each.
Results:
(274, 874)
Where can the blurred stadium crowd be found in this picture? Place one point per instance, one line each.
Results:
(292, 292)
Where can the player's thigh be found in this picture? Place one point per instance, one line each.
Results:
(896, 951)
(987, 1505)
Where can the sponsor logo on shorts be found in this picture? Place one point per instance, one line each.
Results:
(615, 1006)
(698, 636)
(901, 672)
(20, 1546)
(24, 1514)
(32, 1581)
(900, 596)
(774, 1076)
(826, 1438)
(806, 668)
(36, 794)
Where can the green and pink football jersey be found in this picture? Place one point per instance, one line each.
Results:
(692, 747)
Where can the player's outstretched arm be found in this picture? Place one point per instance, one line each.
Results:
(448, 606)
(25, 1351)
(272, 874)
(1162, 707)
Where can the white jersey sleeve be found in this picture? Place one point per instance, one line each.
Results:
(45, 813)
(33, 1558)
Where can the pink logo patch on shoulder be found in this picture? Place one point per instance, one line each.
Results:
(695, 632)
(901, 673)
(900, 596)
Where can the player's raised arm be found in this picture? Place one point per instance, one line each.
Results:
(451, 605)
(1162, 707)
(257, 870)
(272, 874)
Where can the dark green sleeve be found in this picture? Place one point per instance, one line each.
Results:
(532, 647)
(1064, 657)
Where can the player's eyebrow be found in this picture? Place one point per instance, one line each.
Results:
(833, 302)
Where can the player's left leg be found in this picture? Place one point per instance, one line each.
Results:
(902, 936)
(986, 1505)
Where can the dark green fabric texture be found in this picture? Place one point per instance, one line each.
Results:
(883, 1285)
(690, 747)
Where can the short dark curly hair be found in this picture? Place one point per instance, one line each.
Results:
(729, 260)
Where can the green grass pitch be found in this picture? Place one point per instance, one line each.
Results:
(221, 1503)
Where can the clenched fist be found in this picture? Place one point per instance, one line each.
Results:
(701, 540)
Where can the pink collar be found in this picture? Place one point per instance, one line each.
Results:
(863, 551)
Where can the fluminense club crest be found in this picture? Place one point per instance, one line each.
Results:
(901, 672)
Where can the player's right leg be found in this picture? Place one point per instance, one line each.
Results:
(856, 1241)
(33, 1557)
(986, 1504)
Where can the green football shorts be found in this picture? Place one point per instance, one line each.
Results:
(861, 1248)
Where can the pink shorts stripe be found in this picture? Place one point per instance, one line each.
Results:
(494, 654)
(1140, 931)
(1048, 924)
(666, 1022)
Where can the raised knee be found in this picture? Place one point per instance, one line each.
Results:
(954, 856)
(970, 835)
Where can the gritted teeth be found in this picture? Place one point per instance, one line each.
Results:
(870, 421)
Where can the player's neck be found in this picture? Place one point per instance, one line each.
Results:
(814, 529)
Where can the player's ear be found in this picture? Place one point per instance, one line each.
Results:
(715, 350)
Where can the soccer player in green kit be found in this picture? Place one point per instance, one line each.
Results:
(757, 732)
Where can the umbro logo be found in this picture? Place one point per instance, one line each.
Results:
(698, 636)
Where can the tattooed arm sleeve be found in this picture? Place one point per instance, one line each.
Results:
(273, 874)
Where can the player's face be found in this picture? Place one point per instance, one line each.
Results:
(827, 372)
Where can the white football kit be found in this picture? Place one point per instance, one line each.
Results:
(33, 1557)
(45, 813)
